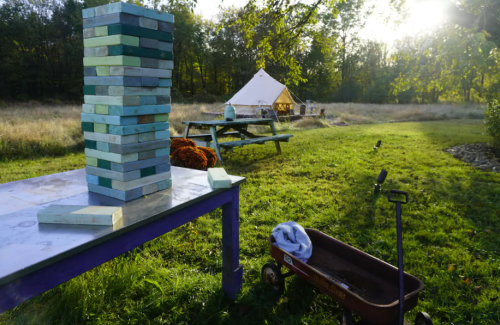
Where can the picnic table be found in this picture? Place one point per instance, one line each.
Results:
(37, 257)
(241, 129)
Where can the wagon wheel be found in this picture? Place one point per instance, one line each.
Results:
(271, 274)
(423, 319)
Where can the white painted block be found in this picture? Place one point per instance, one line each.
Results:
(113, 100)
(111, 138)
(114, 157)
(88, 108)
(141, 182)
(80, 215)
(218, 178)
(148, 189)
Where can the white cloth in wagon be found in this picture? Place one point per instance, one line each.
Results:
(292, 238)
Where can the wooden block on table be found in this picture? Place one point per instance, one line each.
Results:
(120, 60)
(88, 13)
(164, 46)
(95, 51)
(139, 128)
(101, 31)
(148, 100)
(80, 215)
(218, 178)
(89, 90)
(111, 40)
(109, 119)
(138, 51)
(91, 144)
(102, 109)
(150, 63)
(162, 152)
(139, 110)
(140, 72)
(111, 138)
(120, 195)
(91, 161)
(101, 128)
(88, 33)
(112, 157)
(162, 135)
(124, 177)
(145, 172)
(161, 118)
(102, 146)
(148, 23)
(149, 189)
(101, 90)
(111, 19)
(92, 179)
(140, 11)
(163, 168)
(117, 29)
(138, 147)
(146, 137)
(165, 83)
(141, 182)
(163, 185)
(102, 71)
(88, 108)
(150, 82)
(113, 100)
(150, 43)
(146, 155)
(114, 81)
(165, 27)
(166, 64)
(136, 165)
(161, 100)
(101, 10)
(89, 71)
(87, 126)
(144, 119)
(138, 91)
(103, 164)
(105, 182)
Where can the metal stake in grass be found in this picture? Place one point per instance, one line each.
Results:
(379, 142)
(380, 180)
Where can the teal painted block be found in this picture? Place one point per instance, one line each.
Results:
(162, 152)
(163, 185)
(140, 128)
(140, 72)
(162, 135)
(105, 182)
(148, 171)
(88, 13)
(90, 144)
(139, 110)
(89, 90)
(165, 83)
(113, 157)
(109, 119)
(138, 91)
(102, 146)
(113, 100)
(117, 29)
(163, 168)
(135, 50)
(140, 11)
(87, 126)
(148, 100)
(165, 64)
(104, 164)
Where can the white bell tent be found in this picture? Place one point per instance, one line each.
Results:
(262, 91)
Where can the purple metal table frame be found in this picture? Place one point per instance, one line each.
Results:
(36, 257)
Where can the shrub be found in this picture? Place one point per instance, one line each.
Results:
(189, 157)
(210, 154)
(492, 121)
(181, 142)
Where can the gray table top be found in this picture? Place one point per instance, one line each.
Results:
(240, 121)
(26, 245)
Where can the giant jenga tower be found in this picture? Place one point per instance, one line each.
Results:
(128, 69)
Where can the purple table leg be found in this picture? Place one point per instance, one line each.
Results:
(232, 271)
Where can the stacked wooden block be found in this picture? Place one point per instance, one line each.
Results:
(128, 68)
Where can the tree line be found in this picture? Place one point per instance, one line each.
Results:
(315, 49)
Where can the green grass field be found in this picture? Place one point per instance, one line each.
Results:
(323, 180)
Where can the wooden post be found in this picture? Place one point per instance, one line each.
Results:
(232, 271)
(186, 131)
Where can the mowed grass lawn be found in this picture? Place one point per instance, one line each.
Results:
(323, 180)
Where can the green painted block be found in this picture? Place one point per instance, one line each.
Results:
(101, 128)
(161, 118)
(91, 161)
(117, 29)
(87, 126)
(139, 51)
(105, 182)
(90, 144)
(102, 109)
(89, 90)
(119, 60)
(111, 40)
(101, 31)
(102, 71)
(104, 164)
(148, 171)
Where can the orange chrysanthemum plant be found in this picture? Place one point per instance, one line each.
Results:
(177, 143)
(189, 157)
(210, 154)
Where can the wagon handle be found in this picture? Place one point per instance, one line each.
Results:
(400, 249)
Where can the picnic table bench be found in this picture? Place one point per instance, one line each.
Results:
(241, 130)
(37, 257)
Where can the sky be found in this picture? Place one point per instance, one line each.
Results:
(424, 15)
